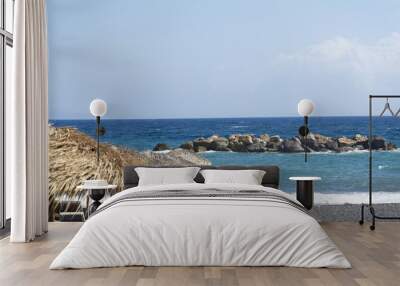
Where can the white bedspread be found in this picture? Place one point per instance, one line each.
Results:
(200, 231)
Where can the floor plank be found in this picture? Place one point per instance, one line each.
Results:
(375, 257)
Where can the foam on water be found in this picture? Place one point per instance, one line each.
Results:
(239, 126)
(356, 198)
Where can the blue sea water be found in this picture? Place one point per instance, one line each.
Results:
(341, 173)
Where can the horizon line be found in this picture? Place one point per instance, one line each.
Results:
(202, 118)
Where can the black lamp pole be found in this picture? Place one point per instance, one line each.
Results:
(303, 131)
(98, 138)
(305, 138)
(100, 131)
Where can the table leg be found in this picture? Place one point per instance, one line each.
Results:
(96, 195)
(93, 206)
(87, 204)
(305, 193)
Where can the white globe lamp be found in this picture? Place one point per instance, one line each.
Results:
(98, 107)
(305, 107)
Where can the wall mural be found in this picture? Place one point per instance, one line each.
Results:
(218, 83)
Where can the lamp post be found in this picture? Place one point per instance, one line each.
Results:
(98, 108)
(305, 107)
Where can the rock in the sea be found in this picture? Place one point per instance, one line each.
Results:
(202, 143)
(275, 139)
(200, 149)
(274, 143)
(361, 141)
(244, 138)
(332, 145)
(236, 146)
(378, 143)
(161, 147)
(264, 137)
(360, 138)
(239, 143)
(233, 137)
(346, 149)
(390, 146)
(346, 142)
(359, 147)
(187, 146)
(256, 147)
(292, 146)
(220, 144)
(213, 137)
(321, 139)
(311, 144)
(214, 142)
(273, 147)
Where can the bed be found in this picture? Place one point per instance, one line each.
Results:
(198, 224)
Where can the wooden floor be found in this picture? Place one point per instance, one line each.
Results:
(375, 257)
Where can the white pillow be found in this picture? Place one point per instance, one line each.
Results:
(248, 177)
(165, 176)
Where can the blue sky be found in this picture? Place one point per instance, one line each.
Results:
(226, 58)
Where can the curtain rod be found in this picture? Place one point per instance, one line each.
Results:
(384, 96)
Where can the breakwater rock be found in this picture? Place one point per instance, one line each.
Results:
(266, 143)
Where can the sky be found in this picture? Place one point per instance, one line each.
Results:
(225, 58)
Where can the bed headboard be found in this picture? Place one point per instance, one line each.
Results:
(270, 179)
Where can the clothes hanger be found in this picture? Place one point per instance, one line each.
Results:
(387, 107)
(397, 113)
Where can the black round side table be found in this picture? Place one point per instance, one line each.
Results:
(95, 193)
(305, 190)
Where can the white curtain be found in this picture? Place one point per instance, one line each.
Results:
(27, 123)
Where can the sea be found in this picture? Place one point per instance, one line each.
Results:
(344, 175)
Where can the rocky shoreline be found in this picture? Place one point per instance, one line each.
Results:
(266, 143)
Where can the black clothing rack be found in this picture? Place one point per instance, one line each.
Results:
(370, 203)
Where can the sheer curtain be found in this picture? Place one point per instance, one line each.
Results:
(27, 123)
